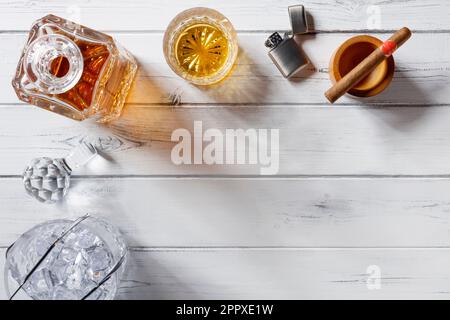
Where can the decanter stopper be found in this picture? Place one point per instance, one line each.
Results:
(48, 179)
(80, 155)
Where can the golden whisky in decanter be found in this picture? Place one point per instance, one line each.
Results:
(74, 71)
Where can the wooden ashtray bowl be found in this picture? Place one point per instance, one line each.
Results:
(350, 54)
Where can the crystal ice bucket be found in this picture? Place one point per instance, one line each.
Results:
(66, 260)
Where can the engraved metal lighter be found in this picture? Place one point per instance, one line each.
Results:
(285, 52)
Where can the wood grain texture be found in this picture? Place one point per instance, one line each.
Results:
(358, 185)
(155, 15)
(421, 78)
(291, 274)
(252, 212)
(283, 274)
(313, 140)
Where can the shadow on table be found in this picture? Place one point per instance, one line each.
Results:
(390, 104)
(146, 278)
(246, 84)
(147, 122)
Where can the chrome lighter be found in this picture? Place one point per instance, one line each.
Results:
(285, 52)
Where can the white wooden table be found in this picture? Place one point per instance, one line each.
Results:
(361, 183)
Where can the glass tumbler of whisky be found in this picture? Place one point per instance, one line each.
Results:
(200, 45)
(74, 71)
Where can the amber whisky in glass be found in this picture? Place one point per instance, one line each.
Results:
(200, 45)
(74, 71)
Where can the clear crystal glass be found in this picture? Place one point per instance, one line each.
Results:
(74, 70)
(200, 45)
(73, 268)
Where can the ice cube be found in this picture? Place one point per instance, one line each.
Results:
(63, 293)
(86, 238)
(68, 255)
(99, 259)
(74, 278)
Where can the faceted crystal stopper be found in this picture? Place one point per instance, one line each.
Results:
(47, 179)
(80, 155)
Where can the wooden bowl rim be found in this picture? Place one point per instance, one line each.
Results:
(336, 76)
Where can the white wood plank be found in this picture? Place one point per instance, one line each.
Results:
(254, 238)
(151, 15)
(422, 77)
(313, 140)
(283, 274)
(297, 274)
(248, 212)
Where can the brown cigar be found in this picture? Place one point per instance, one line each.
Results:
(368, 64)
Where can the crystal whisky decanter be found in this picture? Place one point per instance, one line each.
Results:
(74, 71)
